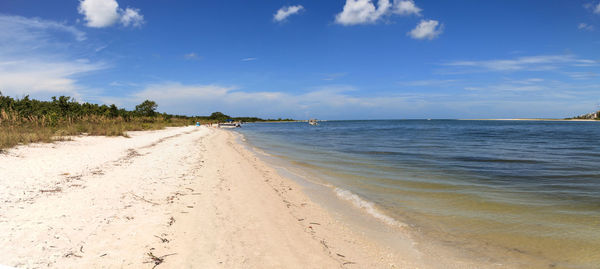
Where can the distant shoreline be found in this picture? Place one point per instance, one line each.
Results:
(533, 120)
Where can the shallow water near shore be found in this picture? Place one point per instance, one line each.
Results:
(516, 193)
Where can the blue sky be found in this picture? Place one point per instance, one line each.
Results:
(346, 59)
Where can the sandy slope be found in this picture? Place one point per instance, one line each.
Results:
(192, 194)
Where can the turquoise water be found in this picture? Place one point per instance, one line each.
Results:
(525, 193)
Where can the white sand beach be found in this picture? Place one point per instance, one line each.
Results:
(178, 198)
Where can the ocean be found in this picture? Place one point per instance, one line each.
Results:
(525, 193)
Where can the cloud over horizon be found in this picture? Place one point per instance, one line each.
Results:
(347, 102)
(324, 101)
(105, 13)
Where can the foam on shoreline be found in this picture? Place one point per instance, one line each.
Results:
(367, 206)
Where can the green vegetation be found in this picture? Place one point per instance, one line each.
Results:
(146, 109)
(220, 117)
(28, 120)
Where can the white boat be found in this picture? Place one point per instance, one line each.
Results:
(313, 122)
(230, 125)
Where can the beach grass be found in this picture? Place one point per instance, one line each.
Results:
(15, 130)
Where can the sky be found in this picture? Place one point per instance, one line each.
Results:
(335, 59)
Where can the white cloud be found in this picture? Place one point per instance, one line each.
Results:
(582, 75)
(104, 13)
(177, 91)
(33, 58)
(132, 16)
(597, 9)
(249, 59)
(406, 7)
(530, 63)
(364, 11)
(504, 98)
(585, 27)
(429, 29)
(20, 29)
(328, 101)
(99, 13)
(33, 76)
(285, 12)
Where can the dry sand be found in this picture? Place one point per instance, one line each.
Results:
(181, 198)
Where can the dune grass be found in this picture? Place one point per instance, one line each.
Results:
(15, 130)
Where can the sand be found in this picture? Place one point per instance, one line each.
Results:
(187, 197)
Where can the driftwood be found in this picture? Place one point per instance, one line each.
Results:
(164, 240)
(57, 189)
(157, 260)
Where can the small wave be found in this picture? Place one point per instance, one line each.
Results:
(367, 206)
(261, 152)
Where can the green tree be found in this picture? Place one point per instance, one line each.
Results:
(146, 108)
(218, 116)
(113, 111)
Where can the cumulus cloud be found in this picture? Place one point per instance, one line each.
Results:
(132, 16)
(99, 13)
(406, 7)
(427, 29)
(104, 13)
(286, 11)
(364, 11)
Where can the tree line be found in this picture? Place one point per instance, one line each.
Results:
(64, 107)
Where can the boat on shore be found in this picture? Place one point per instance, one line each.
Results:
(230, 125)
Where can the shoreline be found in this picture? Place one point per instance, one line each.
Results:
(366, 214)
(180, 197)
(381, 228)
(192, 197)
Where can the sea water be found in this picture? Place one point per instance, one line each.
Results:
(523, 193)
